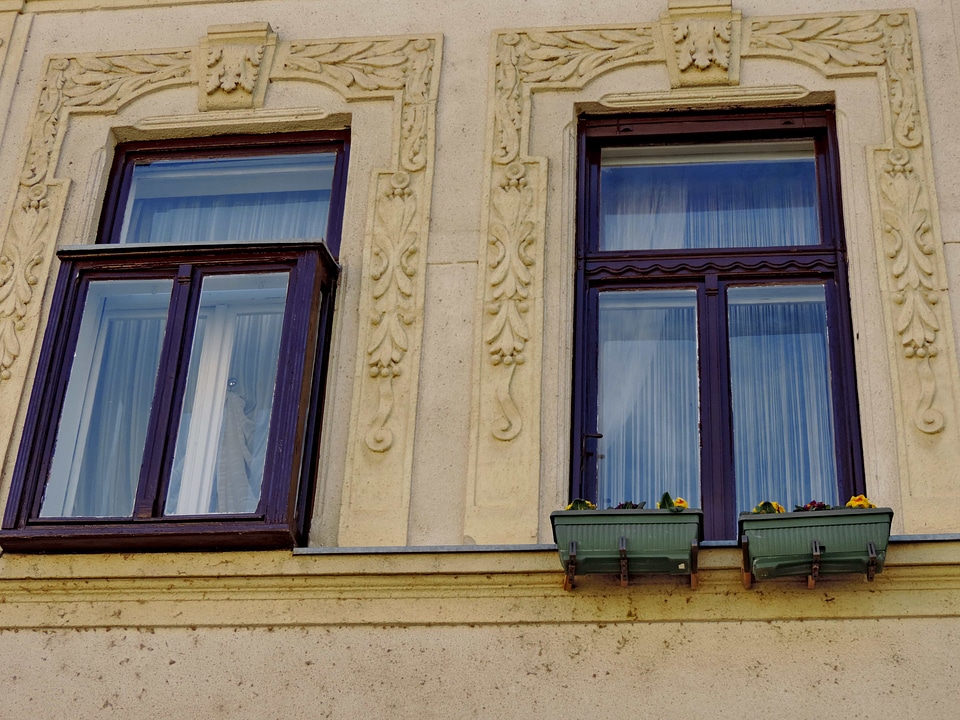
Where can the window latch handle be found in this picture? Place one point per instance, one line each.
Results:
(586, 446)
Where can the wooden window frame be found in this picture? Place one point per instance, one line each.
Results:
(282, 516)
(709, 271)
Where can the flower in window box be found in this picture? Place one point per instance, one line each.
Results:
(860, 501)
(812, 506)
(581, 504)
(671, 504)
(768, 508)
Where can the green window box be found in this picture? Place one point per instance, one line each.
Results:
(814, 543)
(627, 542)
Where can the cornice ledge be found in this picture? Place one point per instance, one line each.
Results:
(919, 580)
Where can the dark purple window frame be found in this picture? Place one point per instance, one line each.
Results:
(282, 516)
(710, 271)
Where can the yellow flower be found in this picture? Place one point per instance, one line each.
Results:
(860, 501)
(680, 502)
(581, 504)
(768, 507)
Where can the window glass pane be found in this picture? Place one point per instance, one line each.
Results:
(282, 197)
(100, 440)
(783, 428)
(647, 405)
(222, 440)
(706, 197)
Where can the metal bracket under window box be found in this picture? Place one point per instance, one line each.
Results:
(814, 543)
(625, 542)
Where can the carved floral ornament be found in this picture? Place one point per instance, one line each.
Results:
(233, 62)
(702, 43)
(846, 44)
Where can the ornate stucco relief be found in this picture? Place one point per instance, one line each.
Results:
(401, 68)
(86, 83)
(883, 44)
(527, 62)
(232, 56)
(405, 69)
(692, 41)
(235, 62)
(506, 442)
(702, 45)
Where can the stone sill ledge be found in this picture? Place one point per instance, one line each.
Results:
(465, 586)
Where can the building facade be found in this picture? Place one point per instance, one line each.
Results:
(437, 395)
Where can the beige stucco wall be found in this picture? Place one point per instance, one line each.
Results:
(723, 670)
(471, 635)
(483, 634)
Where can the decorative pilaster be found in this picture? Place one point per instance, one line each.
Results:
(406, 70)
(504, 481)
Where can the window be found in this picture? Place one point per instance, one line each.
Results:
(178, 395)
(714, 356)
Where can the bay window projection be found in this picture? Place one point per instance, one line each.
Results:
(181, 379)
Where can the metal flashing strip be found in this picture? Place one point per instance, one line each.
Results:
(412, 549)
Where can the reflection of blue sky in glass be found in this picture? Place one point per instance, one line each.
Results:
(281, 197)
(648, 403)
(709, 204)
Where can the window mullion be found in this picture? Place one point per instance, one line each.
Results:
(714, 411)
(843, 378)
(585, 429)
(161, 432)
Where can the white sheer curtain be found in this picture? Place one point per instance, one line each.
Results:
(230, 218)
(648, 397)
(780, 392)
(221, 441)
(709, 200)
(103, 424)
(279, 197)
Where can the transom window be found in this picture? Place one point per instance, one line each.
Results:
(180, 383)
(714, 357)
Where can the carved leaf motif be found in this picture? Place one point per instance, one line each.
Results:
(702, 44)
(906, 227)
(906, 223)
(367, 65)
(395, 243)
(845, 41)
(25, 251)
(578, 55)
(233, 67)
(508, 103)
(395, 247)
(512, 232)
(903, 90)
(98, 81)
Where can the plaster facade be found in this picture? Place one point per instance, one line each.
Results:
(429, 587)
